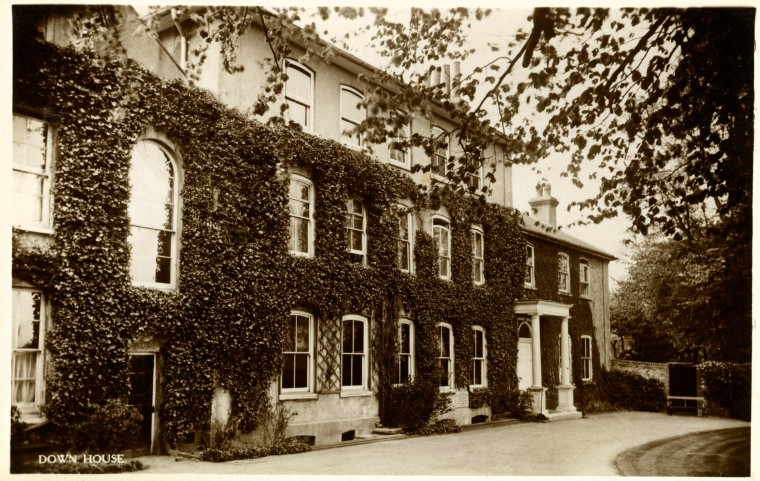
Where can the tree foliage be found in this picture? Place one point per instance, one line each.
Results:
(673, 303)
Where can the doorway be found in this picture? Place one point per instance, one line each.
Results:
(142, 380)
(524, 357)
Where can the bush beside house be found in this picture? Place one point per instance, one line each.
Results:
(727, 387)
(627, 390)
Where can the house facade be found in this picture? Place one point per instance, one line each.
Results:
(174, 253)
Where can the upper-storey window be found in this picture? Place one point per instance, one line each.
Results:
(475, 178)
(298, 353)
(356, 225)
(153, 215)
(352, 113)
(404, 240)
(399, 154)
(530, 275)
(299, 94)
(442, 238)
(478, 264)
(31, 173)
(584, 272)
(563, 273)
(28, 315)
(301, 208)
(405, 350)
(441, 153)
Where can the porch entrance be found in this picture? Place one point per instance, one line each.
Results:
(524, 358)
(142, 381)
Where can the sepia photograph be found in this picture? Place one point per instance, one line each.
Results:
(423, 240)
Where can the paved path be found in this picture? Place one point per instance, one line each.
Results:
(577, 447)
(721, 453)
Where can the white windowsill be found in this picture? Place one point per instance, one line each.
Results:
(293, 396)
(356, 393)
(35, 229)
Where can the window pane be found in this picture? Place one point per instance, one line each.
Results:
(298, 113)
(299, 235)
(444, 372)
(350, 108)
(29, 143)
(289, 344)
(356, 370)
(358, 336)
(163, 270)
(478, 344)
(302, 334)
(405, 345)
(346, 370)
(24, 377)
(445, 342)
(298, 85)
(288, 372)
(26, 313)
(301, 370)
(348, 341)
(345, 136)
(403, 255)
(151, 178)
(403, 368)
(27, 197)
(477, 372)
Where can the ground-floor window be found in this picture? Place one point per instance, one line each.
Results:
(405, 350)
(479, 358)
(446, 355)
(298, 353)
(28, 314)
(586, 357)
(354, 352)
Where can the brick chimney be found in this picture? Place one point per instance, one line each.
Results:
(544, 206)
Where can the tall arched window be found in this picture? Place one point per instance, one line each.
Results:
(153, 215)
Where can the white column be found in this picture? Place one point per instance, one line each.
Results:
(537, 390)
(535, 334)
(565, 401)
(565, 352)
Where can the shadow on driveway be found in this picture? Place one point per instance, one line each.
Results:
(725, 452)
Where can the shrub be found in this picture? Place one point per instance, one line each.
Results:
(520, 404)
(479, 397)
(234, 450)
(18, 428)
(728, 385)
(413, 404)
(628, 390)
(441, 426)
(110, 428)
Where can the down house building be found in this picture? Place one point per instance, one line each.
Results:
(170, 252)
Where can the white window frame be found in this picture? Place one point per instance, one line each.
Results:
(409, 243)
(350, 229)
(483, 360)
(586, 358)
(478, 268)
(39, 367)
(310, 219)
(566, 288)
(451, 377)
(359, 137)
(442, 154)
(406, 154)
(45, 224)
(530, 265)
(584, 274)
(310, 359)
(447, 229)
(410, 354)
(364, 354)
(173, 274)
(310, 105)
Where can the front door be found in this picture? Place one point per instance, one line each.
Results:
(142, 382)
(525, 358)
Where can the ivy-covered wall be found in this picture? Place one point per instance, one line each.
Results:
(546, 259)
(223, 326)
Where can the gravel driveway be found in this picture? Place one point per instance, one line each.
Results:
(576, 447)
